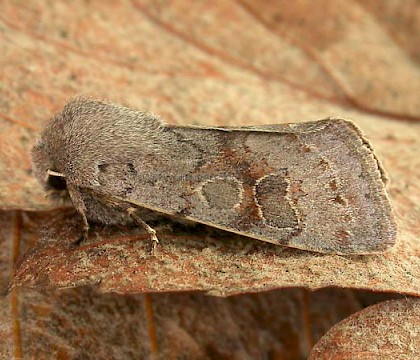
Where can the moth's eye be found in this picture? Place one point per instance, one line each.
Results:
(56, 182)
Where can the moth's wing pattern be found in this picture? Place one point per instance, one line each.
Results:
(314, 186)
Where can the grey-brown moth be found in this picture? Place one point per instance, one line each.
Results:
(314, 186)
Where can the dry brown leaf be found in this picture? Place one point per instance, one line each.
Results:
(307, 46)
(118, 260)
(83, 323)
(73, 324)
(389, 330)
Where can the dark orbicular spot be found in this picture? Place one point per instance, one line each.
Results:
(222, 193)
(131, 168)
(333, 185)
(340, 200)
(102, 167)
(271, 196)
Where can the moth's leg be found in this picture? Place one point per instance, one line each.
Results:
(152, 232)
(76, 198)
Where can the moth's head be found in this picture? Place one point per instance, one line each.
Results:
(48, 173)
(65, 146)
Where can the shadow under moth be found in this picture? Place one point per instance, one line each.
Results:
(315, 186)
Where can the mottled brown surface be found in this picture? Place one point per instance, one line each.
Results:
(83, 323)
(218, 63)
(389, 330)
(196, 258)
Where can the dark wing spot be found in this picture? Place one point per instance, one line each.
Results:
(333, 185)
(131, 168)
(102, 167)
(276, 208)
(222, 193)
(340, 200)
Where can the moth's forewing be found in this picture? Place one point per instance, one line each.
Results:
(314, 186)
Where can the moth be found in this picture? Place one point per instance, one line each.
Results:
(316, 186)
